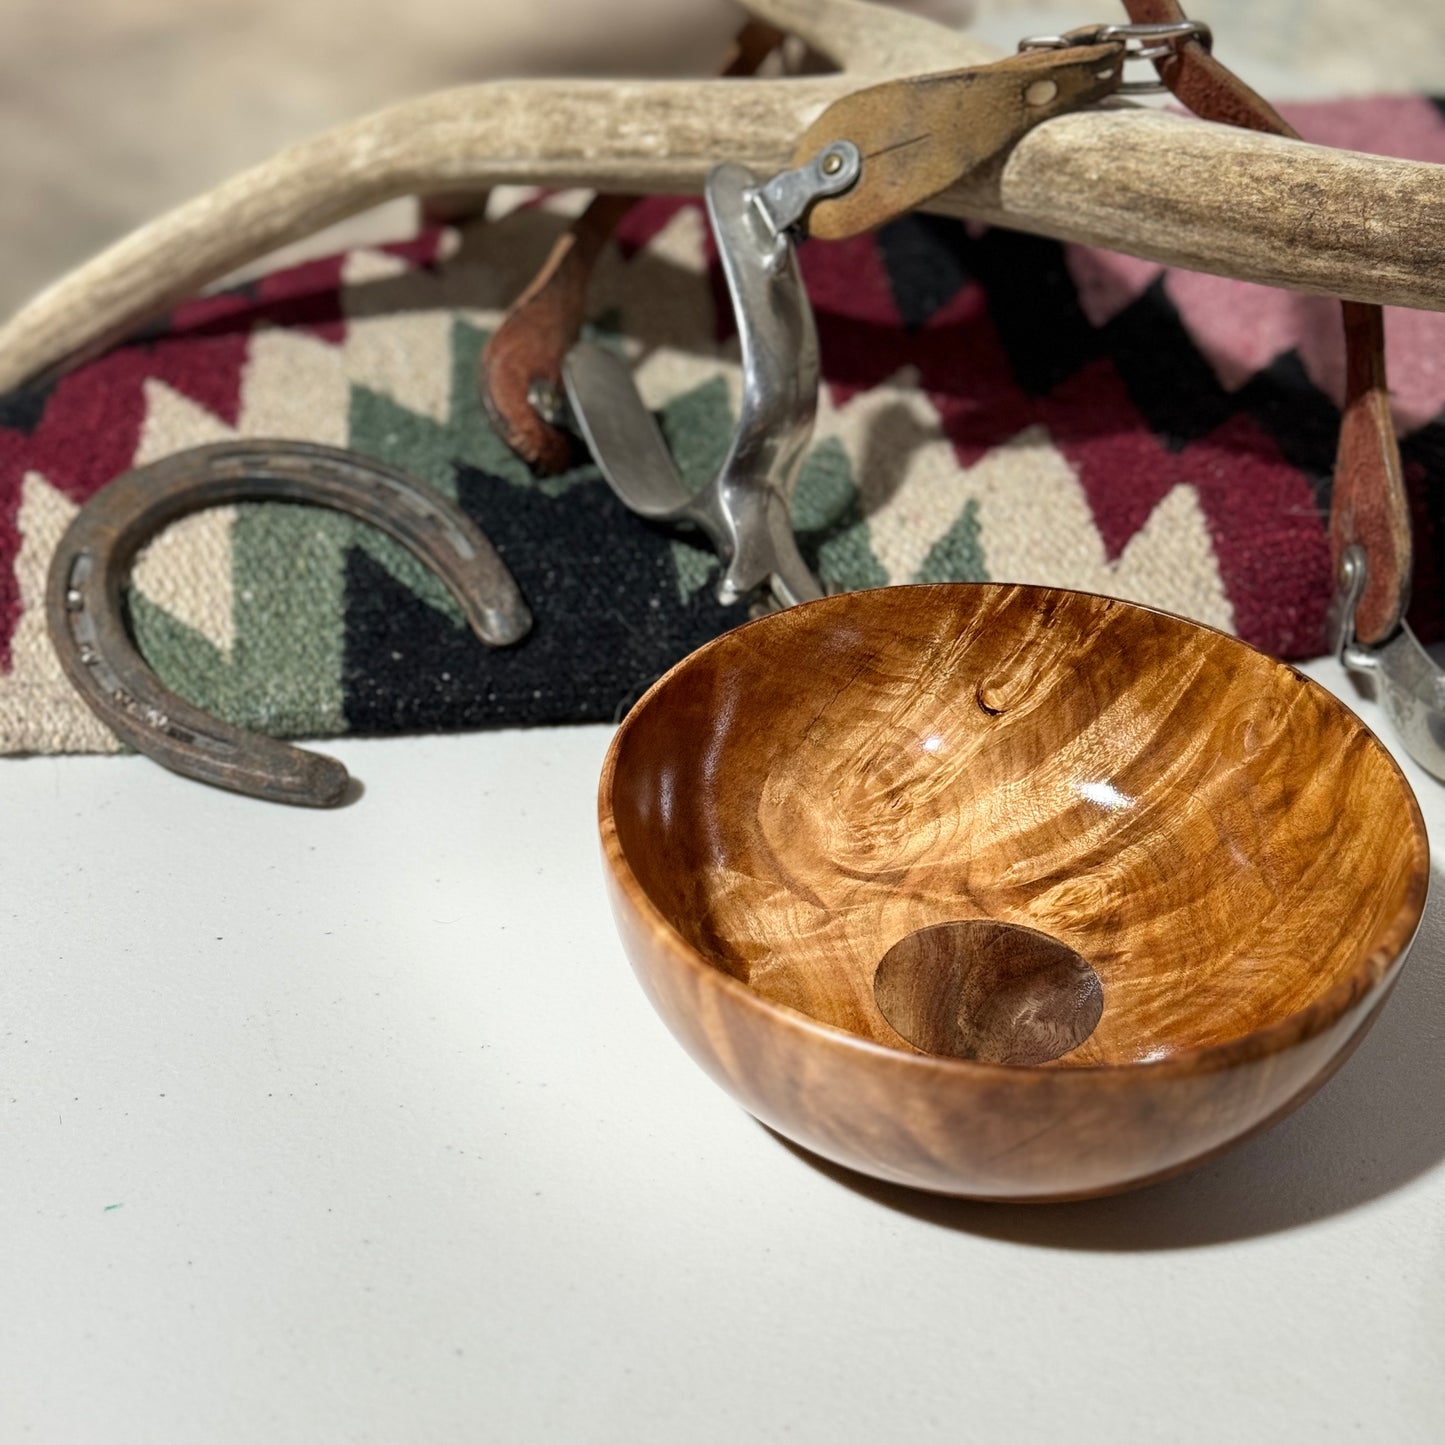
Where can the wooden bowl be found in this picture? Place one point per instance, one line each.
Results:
(1008, 892)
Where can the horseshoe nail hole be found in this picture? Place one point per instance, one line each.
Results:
(996, 992)
(1041, 92)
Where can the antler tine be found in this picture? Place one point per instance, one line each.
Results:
(869, 39)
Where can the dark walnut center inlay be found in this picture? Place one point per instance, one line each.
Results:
(991, 991)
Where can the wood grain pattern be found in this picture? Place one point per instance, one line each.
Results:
(1223, 844)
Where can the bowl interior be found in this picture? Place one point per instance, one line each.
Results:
(1013, 823)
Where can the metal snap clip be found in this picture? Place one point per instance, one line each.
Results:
(1408, 683)
(1141, 42)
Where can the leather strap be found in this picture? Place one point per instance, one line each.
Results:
(920, 134)
(540, 327)
(525, 352)
(1369, 506)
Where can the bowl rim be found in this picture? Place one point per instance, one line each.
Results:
(1294, 1028)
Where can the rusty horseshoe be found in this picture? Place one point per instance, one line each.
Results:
(91, 567)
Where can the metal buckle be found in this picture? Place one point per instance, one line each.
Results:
(1140, 42)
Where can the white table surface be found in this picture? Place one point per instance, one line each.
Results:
(354, 1126)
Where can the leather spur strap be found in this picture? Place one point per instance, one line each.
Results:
(521, 369)
(523, 358)
(920, 134)
(1370, 507)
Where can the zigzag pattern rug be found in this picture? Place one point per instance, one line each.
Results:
(997, 407)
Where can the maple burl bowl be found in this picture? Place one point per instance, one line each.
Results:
(1008, 892)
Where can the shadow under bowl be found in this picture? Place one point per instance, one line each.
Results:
(1008, 892)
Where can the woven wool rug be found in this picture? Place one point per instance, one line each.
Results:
(997, 407)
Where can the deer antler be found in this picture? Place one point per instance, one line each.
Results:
(1186, 193)
(868, 39)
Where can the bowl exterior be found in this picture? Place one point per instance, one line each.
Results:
(858, 1095)
(979, 1131)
